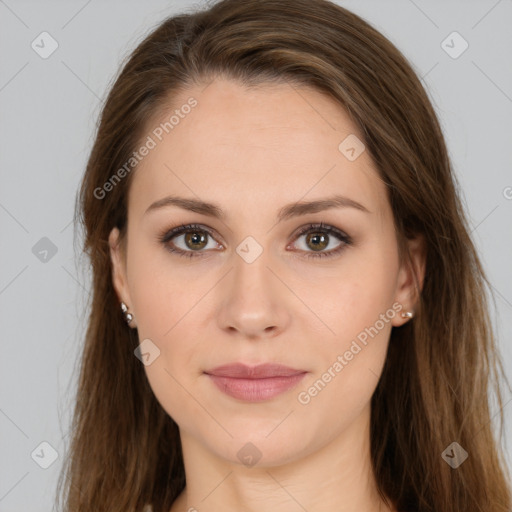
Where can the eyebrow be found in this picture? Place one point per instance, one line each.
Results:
(286, 212)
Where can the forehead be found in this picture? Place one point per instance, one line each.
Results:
(252, 147)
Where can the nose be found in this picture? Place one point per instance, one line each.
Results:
(253, 302)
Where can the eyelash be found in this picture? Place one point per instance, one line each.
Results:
(168, 235)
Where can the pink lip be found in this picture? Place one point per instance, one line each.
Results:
(256, 383)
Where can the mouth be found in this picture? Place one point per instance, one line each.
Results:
(255, 383)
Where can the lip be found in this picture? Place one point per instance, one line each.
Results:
(260, 371)
(255, 383)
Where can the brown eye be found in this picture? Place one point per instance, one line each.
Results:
(196, 240)
(318, 241)
(318, 237)
(188, 240)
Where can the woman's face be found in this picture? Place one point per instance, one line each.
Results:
(245, 286)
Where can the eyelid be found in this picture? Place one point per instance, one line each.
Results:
(321, 226)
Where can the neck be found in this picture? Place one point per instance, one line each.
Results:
(337, 477)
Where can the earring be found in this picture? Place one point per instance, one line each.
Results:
(407, 314)
(127, 316)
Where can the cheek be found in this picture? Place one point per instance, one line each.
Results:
(360, 310)
(155, 288)
(165, 314)
(349, 367)
(356, 295)
(166, 302)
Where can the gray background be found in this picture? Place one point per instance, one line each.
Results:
(48, 111)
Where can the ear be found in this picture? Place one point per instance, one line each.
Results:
(411, 277)
(118, 259)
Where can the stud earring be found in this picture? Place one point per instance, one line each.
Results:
(407, 314)
(127, 316)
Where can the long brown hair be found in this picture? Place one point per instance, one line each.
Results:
(125, 449)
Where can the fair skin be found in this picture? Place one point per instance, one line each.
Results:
(251, 152)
